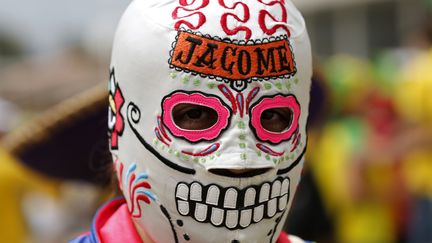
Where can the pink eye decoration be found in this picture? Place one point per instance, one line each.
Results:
(272, 110)
(195, 116)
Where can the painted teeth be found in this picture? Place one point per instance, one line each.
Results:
(231, 207)
(196, 192)
(245, 218)
(264, 193)
(200, 212)
(249, 199)
(285, 187)
(183, 207)
(231, 219)
(212, 195)
(283, 201)
(258, 213)
(182, 191)
(230, 198)
(276, 189)
(217, 216)
(271, 207)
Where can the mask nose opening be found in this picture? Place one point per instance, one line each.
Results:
(240, 173)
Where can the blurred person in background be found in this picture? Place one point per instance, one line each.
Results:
(12, 226)
(8, 116)
(372, 159)
(414, 103)
(350, 194)
(46, 188)
(49, 54)
(15, 181)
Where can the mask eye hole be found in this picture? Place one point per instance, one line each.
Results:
(276, 119)
(194, 117)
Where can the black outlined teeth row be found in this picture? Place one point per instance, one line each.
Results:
(231, 207)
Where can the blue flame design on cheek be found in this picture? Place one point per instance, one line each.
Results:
(151, 195)
(138, 190)
(131, 169)
(142, 176)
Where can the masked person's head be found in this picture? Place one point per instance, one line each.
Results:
(207, 118)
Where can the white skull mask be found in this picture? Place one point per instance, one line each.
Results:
(242, 65)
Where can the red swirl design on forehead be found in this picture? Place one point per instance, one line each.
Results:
(191, 11)
(281, 22)
(272, 15)
(246, 15)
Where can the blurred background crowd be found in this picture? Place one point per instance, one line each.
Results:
(368, 177)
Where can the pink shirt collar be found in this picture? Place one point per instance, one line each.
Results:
(113, 224)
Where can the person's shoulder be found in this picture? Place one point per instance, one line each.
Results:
(286, 238)
(84, 238)
(112, 216)
(295, 239)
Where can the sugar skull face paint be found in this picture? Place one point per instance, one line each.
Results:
(214, 117)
